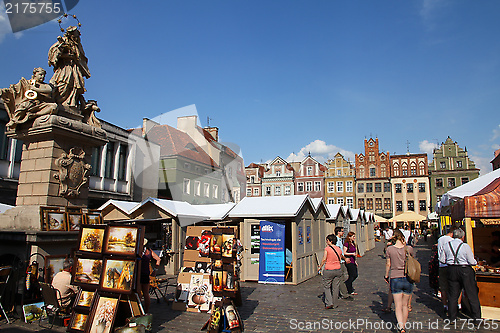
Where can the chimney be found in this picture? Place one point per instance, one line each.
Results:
(147, 125)
(214, 132)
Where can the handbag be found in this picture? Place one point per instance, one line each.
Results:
(412, 268)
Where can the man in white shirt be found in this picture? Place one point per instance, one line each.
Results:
(406, 232)
(443, 267)
(388, 232)
(461, 275)
(62, 282)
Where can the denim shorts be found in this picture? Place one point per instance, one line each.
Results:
(401, 285)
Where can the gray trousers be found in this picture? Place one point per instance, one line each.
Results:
(331, 283)
(343, 278)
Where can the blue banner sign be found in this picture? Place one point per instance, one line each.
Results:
(272, 252)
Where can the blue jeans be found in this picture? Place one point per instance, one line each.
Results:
(401, 285)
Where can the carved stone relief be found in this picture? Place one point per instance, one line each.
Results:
(72, 172)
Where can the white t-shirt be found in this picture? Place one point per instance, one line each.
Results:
(388, 234)
(442, 241)
(406, 233)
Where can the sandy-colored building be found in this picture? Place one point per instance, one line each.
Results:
(339, 182)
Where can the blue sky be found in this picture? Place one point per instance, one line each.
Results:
(291, 77)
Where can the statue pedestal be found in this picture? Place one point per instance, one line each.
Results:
(55, 160)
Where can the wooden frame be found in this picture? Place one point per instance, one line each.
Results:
(119, 275)
(78, 321)
(32, 312)
(103, 313)
(124, 240)
(73, 209)
(43, 218)
(56, 220)
(93, 217)
(92, 238)
(87, 272)
(84, 299)
(52, 265)
(74, 220)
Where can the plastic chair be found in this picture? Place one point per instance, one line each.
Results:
(51, 299)
(5, 273)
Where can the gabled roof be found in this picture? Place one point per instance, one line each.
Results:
(216, 212)
(356, 213)
(335, 211)
(319, 203)
(347, 211)
(126, 207)
(271, 207)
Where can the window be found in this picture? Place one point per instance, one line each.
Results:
(317, 186)
(287, 190)
(439, 182)
(278, 173)
(397, 187)
(459, 164)
(187, 166)
(340, 186)
(395, 170)
(361, 171)
(413, 169)
(110, 160)
(361, 188)
(383, 173)
(422, 205)
(122, 162)
(372, 172)
(405, 172)
(348, 186)
(378, 187)
(300, 187)
(309, 186)
(387, 203)
(409, 188)
(339, 172)
(371, 156)
(411, 205)
(268, 190)
(331, 201)
(421, 169)
(256, 192)
(4, 142)
(309, 171)
(399, 206)
(19, 150)
(187, 186)
(369, 187)
(361, 203)
(197, 169)
(387, 187)
(369, 204)
(95, 162)
(215, 192)
(277, 190)
(331, 187)
(197, 188)
(249, 192)
(421, 187)
(442, 165)
(340, 201)
(349, 202)
(451, 182)
(206, 190)
(378, 203)
(252, 179)
(438, 198)
(464, 180)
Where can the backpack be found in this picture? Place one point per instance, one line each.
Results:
(412, 268)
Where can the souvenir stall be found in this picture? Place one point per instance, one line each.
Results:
(340, 216)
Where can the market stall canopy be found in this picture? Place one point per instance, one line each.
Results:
(408, 217)
(467, 189)
(216, 212)
(186, 213)
(126, 207)
(485, 203)
(379, 218)
(335, 211)
(261, 207)
(357, 213)
(319, 203)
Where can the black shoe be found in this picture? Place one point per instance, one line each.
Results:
(348, 298)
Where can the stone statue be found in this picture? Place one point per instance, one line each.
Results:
(70, 68)
(29, 99)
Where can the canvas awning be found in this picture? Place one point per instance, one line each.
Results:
(485, 203)
(408, 217)
(379, 218)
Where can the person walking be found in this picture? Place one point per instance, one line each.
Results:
(401, 288)
(352, 267)
(388, 232)
(443, 268)
(332, 272)
(461, 275)
(339, 233)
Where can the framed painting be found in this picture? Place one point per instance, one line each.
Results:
(93, 217)
(91, 238)
(103, 313)
(78, 321)
(73, 210)
(84, 299)
(126, 240)
(119, 275)
(34, 312)
(43, 216)
(53, 265)
(56, 220)
(75, 220)
(87, 272)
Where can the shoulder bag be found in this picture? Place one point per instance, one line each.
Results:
(412, 267)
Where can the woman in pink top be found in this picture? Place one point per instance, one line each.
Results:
(332, 272)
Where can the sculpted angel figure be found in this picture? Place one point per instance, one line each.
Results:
(29, 99)
(70, 68)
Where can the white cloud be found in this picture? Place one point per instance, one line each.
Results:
(320, 151)
(482, 163)
(430, 12)
(427, 147)
(4, 23)
(496, 133)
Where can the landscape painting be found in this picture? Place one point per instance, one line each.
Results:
(87, 271)
(91, 239)
(122, 240)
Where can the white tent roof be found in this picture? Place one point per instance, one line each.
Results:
(317, 203)
(186, 213)
(468, 189)
(347, 212)
(216, 212)
(334, 210)
(283, 206)
(355, 214)
(126, 206)
(4, 207)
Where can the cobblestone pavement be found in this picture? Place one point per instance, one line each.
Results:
(286, 308)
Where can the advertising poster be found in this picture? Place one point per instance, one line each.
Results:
(272, 252)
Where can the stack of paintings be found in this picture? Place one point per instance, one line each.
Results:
(67, 219)
(106, 268)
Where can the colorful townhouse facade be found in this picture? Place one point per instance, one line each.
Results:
(310, 177)
(254, 173)
(278, 179)
(340, 181)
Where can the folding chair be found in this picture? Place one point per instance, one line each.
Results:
(4, 280)
(51, 299)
